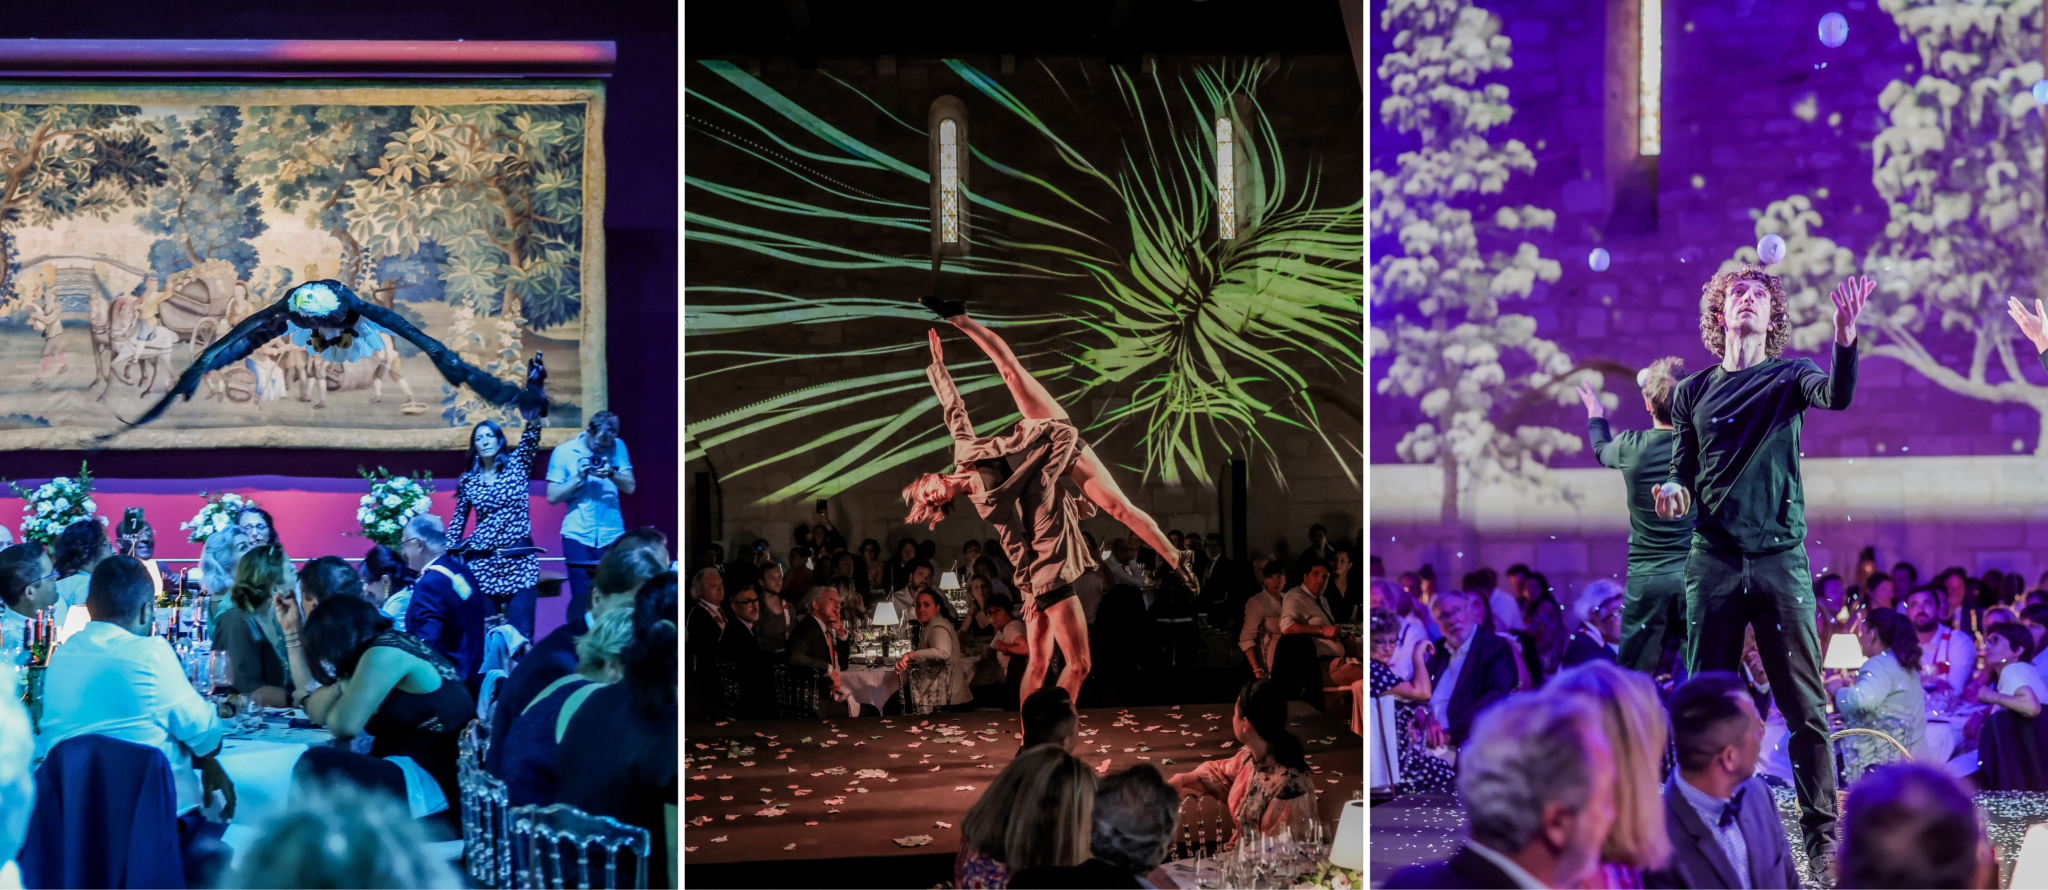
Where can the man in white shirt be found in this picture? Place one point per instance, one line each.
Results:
(1123, 565)
(1009, 639)
(27, 585)
(1304, 610)
(1946, 656)
(1261, 633)
(589, 473)
(906, 599)
(115, 680)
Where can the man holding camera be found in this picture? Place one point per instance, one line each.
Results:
(589, 473)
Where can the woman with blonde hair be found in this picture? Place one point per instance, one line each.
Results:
(247, 629)
(1039, 812)
(1638, 732)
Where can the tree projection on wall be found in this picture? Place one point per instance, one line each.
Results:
(59, 162)
(1960, 167)
(1439, 295)
(1215, 344)
(205, 209)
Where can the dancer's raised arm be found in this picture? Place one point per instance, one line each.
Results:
(950, 404)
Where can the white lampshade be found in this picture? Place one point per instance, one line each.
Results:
(1845, 653)
(949, 581)
(1347, 849)
(885, 614)
(2031, 869)
(74, 621)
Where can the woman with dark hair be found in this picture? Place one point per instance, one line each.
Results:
(1544, 642)
(619, 755)
(2010, 742)
(383, 682)
(1267, 784)
(985, 566)
(943, 673)
(1886, 695)
(896, 572)
(387, 581)
(79, 549)
(256, 522)
(976, 626)
(845, 565)
(500, 550)
(1038, 813)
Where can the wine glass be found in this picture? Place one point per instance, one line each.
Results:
(248, 712)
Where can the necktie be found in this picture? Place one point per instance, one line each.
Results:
(1733, 808)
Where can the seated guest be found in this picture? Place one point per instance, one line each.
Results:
(446, 611)
(527, 764)
(1260, 634)
(619, 755)
(1006, 647)
(942, 669)
(706, 632)
(404, 693)
(1473, 669)
(1946, 656)
(1537, 782)
(217, 561)
(741, 643)
(387, 582)
(338, 835)
(905, 597)
(247, 630)
(1421, 771)
(1136, 817)
(2009, 746)
(1632, 717)
(113, 679)
(977, 626)
(1049, 719)
(1599, 627)
(1725, 830)
(327, 578)
(27, 585)
(819, 641)
(79, 549)
(771, 630)
(1412, 630)
(1912, 826)
(1037, 813)
(620, 574)
(1267, 784)
(1307, 609)
(1886, 695)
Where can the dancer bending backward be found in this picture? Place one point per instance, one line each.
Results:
(1737, 450)
(1013, 481)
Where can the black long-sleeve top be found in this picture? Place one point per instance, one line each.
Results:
(1655, 545)
(1737, 448)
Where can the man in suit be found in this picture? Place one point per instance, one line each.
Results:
(447, 610)
(819, 639)
(1725, 831)
(1542, 752)
(1599, 631)
(704, 635)
(1472, 669)
(1218, 573)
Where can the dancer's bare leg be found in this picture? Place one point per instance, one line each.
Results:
(1101, 488)
(1070, 631)
(1038, 635)
(1033, 401)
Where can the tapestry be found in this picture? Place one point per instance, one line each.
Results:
(139, 223)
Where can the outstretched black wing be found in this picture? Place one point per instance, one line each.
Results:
(453, 369)
(267, 324)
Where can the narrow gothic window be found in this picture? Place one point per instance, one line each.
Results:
(949, 183)
(1649, 104)
(1226, 182)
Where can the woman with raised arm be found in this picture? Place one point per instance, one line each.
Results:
(500, 550)
(1013, 481)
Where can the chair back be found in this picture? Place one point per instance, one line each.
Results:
(105, 815)
(729, 685)
(486, 853)
(1204, 827)
(487, 693)
(796, 691)
(916, 688)
(540, 834)
(504, 645)
(1383, 747)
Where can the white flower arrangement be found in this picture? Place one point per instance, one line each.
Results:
(392, 502)
(220, 512)
(50, 507)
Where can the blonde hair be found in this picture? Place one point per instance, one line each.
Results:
(1637, 732)
(1040, 811)
(609, 637)
(259, 574)
(1660, 380)
(930, 497)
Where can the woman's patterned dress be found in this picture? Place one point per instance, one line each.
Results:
(501, 521)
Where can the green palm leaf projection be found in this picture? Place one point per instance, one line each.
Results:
(1209, 345)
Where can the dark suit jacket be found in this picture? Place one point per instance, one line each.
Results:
(1697, 860)
(807, 646)
(1464, 871)
(1489, 674)
(452, 625)
(1583, 648)
(1091, 874)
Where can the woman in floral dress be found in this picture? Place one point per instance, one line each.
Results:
(1421, 771)
(1267, 785)
(500, 550)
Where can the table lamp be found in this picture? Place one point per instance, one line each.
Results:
(885, 616)
(949, 581)
(2031, 868)
(1845, 653)
(1347, 849)
(74, 621)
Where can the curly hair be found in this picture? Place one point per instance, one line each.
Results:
(1714, 329)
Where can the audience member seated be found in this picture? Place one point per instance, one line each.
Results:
(1267, 783)
(905, 597)
(1911, 826)
(217, 561)
(446, 611)
(2009, 745)
(1411, 632)
(340, 836)
(1261, 631)
(976, 626)
(742, 644)
(1886, 695)
(819, 642)
(1422, 772)
(1724, 828)
(28, 585)
(525, 755)
(620, 754)
(771, 630)
(1632, 717)
(1946, 657)
(1472, 669)
(113, 679)
(1008, 653)
(938, 667)
(1307, 609)
(17, 770)
(1049, 718)
(1136, 817)
(1037, 813)
(79, 549)
(407, 696)
(1599, 624)
(387, 582)
(620, 574)
(1537, 782)
(247, 630)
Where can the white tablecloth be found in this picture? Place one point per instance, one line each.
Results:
(871, 688)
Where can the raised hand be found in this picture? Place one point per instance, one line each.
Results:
(1592, 400)
(1673, 500)
(938, 352)
(1849, 297)
(2034, 325)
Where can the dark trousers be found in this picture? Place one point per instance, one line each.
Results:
(205, 857)
(519, 610)
(573, 552)
(1651, 608)
(1773, 593)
